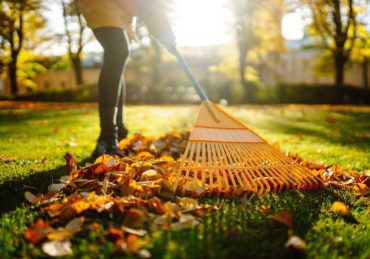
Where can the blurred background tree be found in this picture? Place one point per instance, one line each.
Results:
(334, 27)
(20, 22)
(75, 36)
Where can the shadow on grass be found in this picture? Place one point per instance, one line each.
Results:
(12, 192)
(349, 131)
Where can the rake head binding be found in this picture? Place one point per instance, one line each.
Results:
(223, 156)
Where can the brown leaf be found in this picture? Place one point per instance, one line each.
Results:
(283, 217)
(71, 162)
(134, 219)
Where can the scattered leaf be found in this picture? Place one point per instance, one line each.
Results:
(283, 217)
(296, 243)
(30, 197)
(57, 248)
(340, 207)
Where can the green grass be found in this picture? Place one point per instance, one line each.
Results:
(32, 145)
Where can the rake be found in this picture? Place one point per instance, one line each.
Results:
(225, 157)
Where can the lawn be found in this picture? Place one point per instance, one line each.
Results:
(33, 142)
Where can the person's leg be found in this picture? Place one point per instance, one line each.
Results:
(122, 130)
(115, 45)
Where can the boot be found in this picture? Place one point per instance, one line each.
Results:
(122, 132)
(107, 143)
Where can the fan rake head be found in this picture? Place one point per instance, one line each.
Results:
(228, 158)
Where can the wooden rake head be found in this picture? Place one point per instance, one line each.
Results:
(225, 157)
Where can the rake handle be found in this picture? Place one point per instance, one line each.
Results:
(199, 89)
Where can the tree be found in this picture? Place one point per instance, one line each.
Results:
(257, 29)
(75, 35)
(18, 18)
(334, 25)
(361, 49)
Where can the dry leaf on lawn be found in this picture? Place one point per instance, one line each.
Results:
(30, 197)
(57, 248)
(340, 207)
(296, 242)
(283, 217)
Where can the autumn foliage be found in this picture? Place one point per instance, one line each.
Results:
(138, 190)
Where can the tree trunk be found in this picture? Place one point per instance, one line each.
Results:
(12, 72)
(77, 67)
(365, 70)
(339, 71)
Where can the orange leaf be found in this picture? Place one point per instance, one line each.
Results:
(340, 207)
(157, 205)
(133, 244)
(283, 217)
(37, 231)
(115, 233)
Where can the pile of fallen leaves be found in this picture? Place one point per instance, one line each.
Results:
(138, 190)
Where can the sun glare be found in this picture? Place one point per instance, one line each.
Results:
(201, 22)
(292, 26)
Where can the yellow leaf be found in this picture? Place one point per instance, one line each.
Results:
(150, 175)
(80, 206)
(60, 234)
(340, 207)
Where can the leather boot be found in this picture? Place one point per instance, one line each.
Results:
(122, 132)
(107, 143)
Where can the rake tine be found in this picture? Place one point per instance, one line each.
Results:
(229, 163)
(255, 163)
(195, 176)
(221, 158)
(219, 182)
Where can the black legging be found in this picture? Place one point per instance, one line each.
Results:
(111, 86)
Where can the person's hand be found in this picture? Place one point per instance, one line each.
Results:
(153, 15)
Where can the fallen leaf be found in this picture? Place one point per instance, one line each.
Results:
(115, 233)
(56, 187)
(296, 243)
(134, 219)
(138, 232)
(60, 234)
(38, 231)
(133, 244)
(75, 225)
(30, 197)
(283, 217)
(57, 248)
(185, 222)
(150, 175)
(340, 207)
